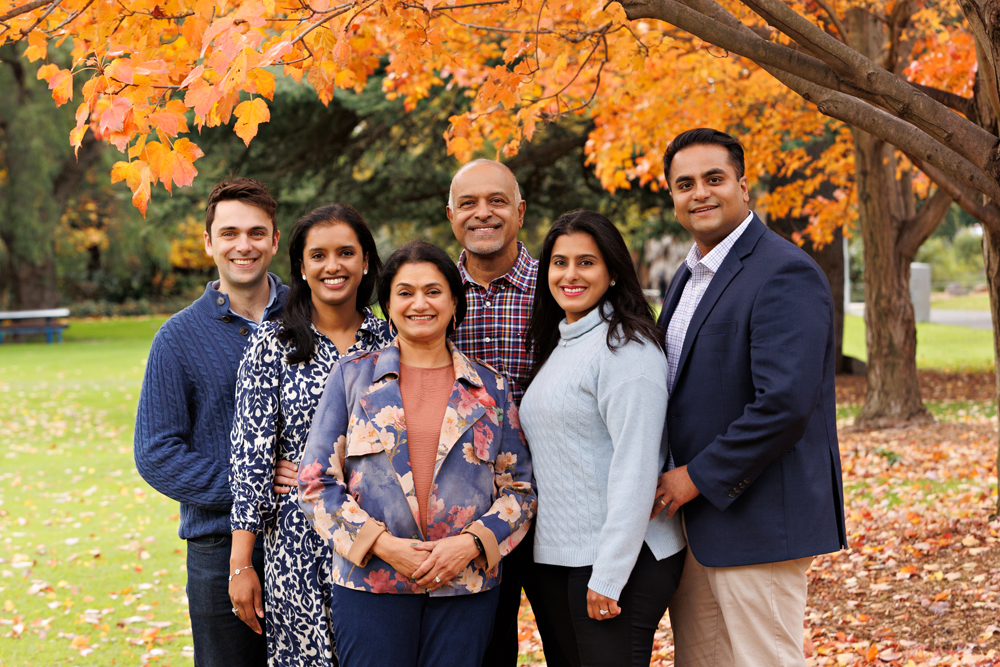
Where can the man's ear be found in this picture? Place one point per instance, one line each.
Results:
(521, 208)
(208, 244)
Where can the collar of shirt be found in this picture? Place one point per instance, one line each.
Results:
(518, 276)
(713, 260)
(272, 296)
(369, 327)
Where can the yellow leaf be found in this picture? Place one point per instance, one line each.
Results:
(250, 114)
(261, 82)
(61, 85)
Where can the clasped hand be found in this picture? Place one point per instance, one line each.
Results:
(430, 565)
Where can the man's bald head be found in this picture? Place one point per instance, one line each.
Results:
(475, 164)
(485, 209)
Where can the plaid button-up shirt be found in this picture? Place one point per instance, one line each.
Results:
(702, 271)
(497, 319)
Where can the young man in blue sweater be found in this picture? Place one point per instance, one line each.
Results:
(186, 411)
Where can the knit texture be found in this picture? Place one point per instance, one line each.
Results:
(594, 419)
(186, 409)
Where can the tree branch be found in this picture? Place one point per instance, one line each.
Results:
(890, 129)
(967, 139)
(25, 8)
(918, 229)
(964, 196)
(869, 82)
(837, 23)
(962, 105)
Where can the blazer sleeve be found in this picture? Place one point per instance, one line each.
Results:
(790, 327)
(503, 526)
(323, 495)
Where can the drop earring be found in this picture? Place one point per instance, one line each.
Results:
(454, 322)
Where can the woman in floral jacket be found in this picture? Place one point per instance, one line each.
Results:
(417, 474)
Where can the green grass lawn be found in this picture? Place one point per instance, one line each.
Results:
(938, 346)
(967, 302)
(91, 569)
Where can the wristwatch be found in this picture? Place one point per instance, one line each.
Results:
(479, 543)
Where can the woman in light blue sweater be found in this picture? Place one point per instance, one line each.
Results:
(594, 417)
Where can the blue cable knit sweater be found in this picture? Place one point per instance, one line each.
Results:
(187, 405)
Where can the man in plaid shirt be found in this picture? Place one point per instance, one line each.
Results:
(486, 211)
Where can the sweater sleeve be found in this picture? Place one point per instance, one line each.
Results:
(163, 453)
(254, 436)
(633, 407)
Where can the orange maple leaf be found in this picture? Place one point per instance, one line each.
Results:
(250, 113)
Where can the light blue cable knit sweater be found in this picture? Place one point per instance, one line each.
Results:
(594, 420)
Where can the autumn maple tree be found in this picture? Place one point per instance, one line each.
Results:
(896, 71)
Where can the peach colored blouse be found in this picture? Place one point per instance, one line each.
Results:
(425, 393)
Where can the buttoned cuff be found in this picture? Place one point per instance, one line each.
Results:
(490, 546)
(364, 541)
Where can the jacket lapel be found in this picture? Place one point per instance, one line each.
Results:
(727, 271)
(673, 296)
(383, 406)
(466, 405)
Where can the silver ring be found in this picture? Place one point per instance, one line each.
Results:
(437, 579)
(663, 502)
(603, 611)
(236, 612)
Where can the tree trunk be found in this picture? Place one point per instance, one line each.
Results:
(991, 258)
(890, 328)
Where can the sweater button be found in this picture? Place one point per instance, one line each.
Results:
(221, 300)
(226, 318)
(244, 331)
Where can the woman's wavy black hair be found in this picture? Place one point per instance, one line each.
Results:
(631, 318)
(296, 321)
(416, 252)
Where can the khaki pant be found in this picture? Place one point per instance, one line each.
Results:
(748, 616)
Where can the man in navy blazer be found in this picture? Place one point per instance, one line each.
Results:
(751, 418)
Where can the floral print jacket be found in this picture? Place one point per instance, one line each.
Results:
(355, 479)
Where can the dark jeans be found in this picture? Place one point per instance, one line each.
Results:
(411, 630)
(519, 572)
(220, 638)
(627, 639)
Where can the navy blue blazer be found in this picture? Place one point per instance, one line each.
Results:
(752, 411)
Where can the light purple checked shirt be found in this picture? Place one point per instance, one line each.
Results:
(702, 271)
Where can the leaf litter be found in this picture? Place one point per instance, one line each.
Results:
(919, 585)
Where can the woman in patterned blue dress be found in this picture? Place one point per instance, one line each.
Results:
(334, 265)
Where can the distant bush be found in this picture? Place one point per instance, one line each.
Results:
(129, 307)
(957, 260)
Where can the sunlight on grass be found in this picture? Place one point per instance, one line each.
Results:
(967, 302)
(938, 346)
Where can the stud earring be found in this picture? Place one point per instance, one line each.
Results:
(303, 276)
(612, 283)
(365, 272)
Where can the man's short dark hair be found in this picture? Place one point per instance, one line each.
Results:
(246, 190)
(705, 136)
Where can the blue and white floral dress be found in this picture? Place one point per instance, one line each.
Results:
(275, 403)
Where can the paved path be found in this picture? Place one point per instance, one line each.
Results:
(974, 319)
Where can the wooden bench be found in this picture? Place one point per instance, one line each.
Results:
(18, 322)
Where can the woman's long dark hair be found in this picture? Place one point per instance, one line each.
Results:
(416, 252)
(296, 322)
(631, 318)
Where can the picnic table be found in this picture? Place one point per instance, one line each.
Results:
(23, 322)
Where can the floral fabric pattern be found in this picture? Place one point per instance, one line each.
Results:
(355, 477)
(275, 403)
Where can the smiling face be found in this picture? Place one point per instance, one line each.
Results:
(333, 264)
(486, 215)
(420, 303)
(710, 201)
(578, 276)
(242, 243)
